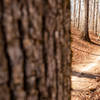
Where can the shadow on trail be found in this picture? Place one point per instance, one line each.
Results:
(85, 51)
(92, 42)
(84, 75)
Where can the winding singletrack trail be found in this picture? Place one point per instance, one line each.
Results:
(86, 77)
(86, 70)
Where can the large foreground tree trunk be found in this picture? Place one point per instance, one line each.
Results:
(35, 55)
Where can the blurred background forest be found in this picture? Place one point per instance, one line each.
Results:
(78, 15)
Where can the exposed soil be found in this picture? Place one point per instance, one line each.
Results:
(85, 67)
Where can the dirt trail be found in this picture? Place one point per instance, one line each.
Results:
(86, 77)
(85, 67)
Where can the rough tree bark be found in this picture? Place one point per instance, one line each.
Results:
(85, 34)
(35, 55)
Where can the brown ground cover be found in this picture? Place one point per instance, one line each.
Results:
(85, 67)
(82, 49)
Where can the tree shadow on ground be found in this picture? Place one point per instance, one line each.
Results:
(94, 43)
(86, 75)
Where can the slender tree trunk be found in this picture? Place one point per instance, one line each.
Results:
(90, 14)
(79, 13)
(96, 24)
(74, 13)
(93, 15)
(35, 55)
(85, 34)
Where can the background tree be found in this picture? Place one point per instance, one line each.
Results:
(96, 22)
(91, 15)
(79, 13)
(85, 34)
(94, 15)
(74, 12)
(35, 55)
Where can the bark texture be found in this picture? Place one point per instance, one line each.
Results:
(35, 55)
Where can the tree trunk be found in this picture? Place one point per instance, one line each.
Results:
(79, 13)
(90, 14)
(74, 13)
(93, 15)
(96, 22)
(35, 55)
(85, 34)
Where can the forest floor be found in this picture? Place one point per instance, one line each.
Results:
(85, 67)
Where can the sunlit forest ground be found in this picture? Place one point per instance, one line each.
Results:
(85, 67)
